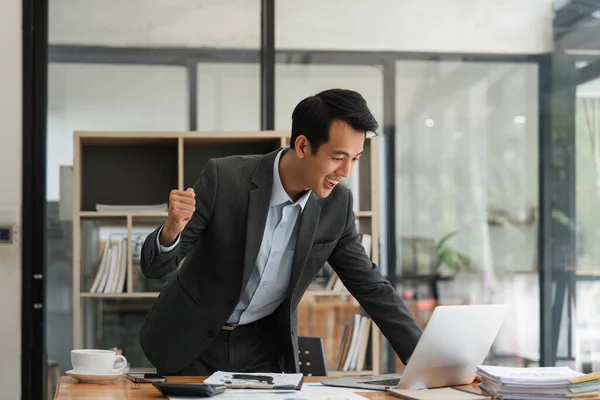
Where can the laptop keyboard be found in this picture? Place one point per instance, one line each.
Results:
(383, 382)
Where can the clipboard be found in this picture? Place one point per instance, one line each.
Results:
(252, 380)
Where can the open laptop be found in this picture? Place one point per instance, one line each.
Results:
(455, 340)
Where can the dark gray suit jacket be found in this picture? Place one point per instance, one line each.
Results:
(220, 245)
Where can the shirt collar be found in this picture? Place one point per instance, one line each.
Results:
(278, 193)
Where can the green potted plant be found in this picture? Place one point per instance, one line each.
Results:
(450, 258)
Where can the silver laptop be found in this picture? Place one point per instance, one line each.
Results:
(455, 340)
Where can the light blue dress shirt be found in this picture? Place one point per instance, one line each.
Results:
(270, 277)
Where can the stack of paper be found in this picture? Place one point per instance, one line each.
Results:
(539, 383)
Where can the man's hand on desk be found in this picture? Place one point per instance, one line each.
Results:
(181, 208)
(477, 379)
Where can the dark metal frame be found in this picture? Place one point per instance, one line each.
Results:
(389, 132)
(575, 12)
(192, 80)
(35, 64)
(558, 251)
(545, 213)
(267, 65)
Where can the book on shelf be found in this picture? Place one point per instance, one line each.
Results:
(354, 344)
(112, 267)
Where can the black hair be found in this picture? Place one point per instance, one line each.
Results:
(313, 116)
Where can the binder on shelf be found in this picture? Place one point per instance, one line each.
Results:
(112, 268)
(354, 345)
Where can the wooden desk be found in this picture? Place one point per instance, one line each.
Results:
(123, 389)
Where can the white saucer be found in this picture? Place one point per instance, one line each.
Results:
(93, 378)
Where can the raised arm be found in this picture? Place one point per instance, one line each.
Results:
(376, 295)
(189, 214)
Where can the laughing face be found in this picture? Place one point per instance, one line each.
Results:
(334, 159)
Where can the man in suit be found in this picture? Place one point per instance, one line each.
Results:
(254, 231)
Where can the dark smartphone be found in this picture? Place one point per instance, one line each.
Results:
(146, 378)
(189, 389)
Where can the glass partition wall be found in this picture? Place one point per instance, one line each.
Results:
(128, 66)
(466, 185)
(457, 188)
(569, 267)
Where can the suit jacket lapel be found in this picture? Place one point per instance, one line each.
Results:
(306, 235)
(258, 208)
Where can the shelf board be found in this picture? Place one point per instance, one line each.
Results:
(326, 293)
(159, 137)
(110, 214)
(335, 373)
(359, 214)
(136, 295)
(233, 137)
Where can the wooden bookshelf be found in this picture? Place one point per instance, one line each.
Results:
(131, 168)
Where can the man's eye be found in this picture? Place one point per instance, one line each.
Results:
(337, 158)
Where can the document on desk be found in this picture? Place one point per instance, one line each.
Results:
(446, 393)
(253, 380)
(253, 394)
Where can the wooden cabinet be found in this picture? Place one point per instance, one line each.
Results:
(121, 186)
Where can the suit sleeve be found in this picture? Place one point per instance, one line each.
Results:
(376, 295)
(156, 264)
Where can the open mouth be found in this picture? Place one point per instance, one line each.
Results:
(330, 183)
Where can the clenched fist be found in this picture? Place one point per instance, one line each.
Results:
(181, 208)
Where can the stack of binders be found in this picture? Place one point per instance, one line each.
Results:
(539, 383)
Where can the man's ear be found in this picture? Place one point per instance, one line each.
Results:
(302, 146)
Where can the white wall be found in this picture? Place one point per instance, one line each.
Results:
(10, 197)
(488, 26)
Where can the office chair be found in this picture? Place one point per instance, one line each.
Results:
(312, 356)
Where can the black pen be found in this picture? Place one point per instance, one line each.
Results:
(260, 378)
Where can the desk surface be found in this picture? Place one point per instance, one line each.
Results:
(123, 389)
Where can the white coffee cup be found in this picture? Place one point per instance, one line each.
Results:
(93, 361)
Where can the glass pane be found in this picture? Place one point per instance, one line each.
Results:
(572, 262)
(131, 66)
(99, 98)
(228, 97)
(321, 314)
(295, 82)
(105, 98)
(586, 335)
(466, 177)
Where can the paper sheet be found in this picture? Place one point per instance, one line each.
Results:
(528, 376)
(320, 388)
(439, 393)
(224, 377)
(313, 392)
